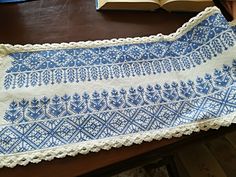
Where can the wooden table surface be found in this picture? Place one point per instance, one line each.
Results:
(49, 21)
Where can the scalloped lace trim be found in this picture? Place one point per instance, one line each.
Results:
(124, 140)
(113, 142)
(8, 48)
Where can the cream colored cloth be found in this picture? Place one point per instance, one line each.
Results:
(70, 98)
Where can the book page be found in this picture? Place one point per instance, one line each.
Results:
(186, 5)
(163, 2)
(134, 1)
(128, 4)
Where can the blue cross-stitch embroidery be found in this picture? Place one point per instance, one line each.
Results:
(60, 120)
(82, 127)
(234, 29)
(206, 40)
(71, 118)
(68, 105)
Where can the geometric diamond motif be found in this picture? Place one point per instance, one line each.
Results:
(135, 52)
(62, 58)
(29, 69)
(166, 116)
(87, 56)
(74, 129)
(212, 106)
(158, 50)
(92, 126)
(179, 47)
(66, 130)
(112, 54)
(143, 119)
(9, 138)
(200, 34)
(57, 120)
(37, 135)
(118, 123)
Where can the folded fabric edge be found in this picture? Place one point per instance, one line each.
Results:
(8, 48)
(114, 142)
(232, 23)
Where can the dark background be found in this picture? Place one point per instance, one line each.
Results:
(48, 21)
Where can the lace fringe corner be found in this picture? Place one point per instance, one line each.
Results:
(3, 51)
(108, 143)
(8, 48)
(232, 23)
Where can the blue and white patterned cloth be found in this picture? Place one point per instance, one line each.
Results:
(65, 99)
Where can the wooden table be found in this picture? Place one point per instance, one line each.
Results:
(45, 21)
(48, 21)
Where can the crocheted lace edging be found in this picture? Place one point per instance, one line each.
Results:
(113, 142)
(8, 48)
(124, 140)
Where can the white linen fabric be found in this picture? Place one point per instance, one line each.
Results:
(70, 98)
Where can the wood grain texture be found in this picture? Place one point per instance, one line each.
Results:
(51, 21)
(225, 154)
(48, 21)
(44, 21)
(199, 162)
(231, 137)
(180, 167)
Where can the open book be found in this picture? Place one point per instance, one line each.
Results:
(170, 5)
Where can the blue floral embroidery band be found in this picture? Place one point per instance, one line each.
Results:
(206, 40)
(68, 105)
(79, 128)
(116, 91)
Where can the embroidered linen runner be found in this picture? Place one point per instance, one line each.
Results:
(70, 98)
